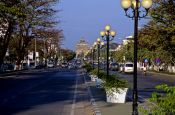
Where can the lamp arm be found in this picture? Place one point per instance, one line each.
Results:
(128, 15)
(103, 38)
(143, 14)
(111, 38)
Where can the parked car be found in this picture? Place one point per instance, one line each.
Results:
(114, 66)
(128, 67)
(40, 66)
(50, 64)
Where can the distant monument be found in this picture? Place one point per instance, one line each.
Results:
(81, 48)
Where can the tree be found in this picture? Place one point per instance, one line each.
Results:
(68, 54)
(158, 36)
(50, 42)
(10, 10)
(38, 16)
(125, 53)
(119, 55)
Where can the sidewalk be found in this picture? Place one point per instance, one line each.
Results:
(101, 107)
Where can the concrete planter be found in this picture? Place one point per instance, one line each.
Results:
(93, 77)
(113, 96)
(99, 82)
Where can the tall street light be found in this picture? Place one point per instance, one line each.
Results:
(109, 37)
(91, 55)
(99, 44)
(93, 51)
(136, 8)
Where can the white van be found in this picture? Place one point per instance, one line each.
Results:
(128, 67)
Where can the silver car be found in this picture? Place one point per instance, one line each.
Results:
(128, 67)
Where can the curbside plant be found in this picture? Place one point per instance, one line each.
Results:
(114, 82)
(164, 103)
(116, 89)
(88, 67)
(93, 74)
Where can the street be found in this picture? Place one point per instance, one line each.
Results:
(55, 91)
(146, 84)
(44, 92)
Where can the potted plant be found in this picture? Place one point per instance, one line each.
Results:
(87, 67)
(116, 89)
(93, 74)
(101, 78)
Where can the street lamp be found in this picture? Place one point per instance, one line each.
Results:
(99, 44)
(135, 5)
(108, 34)
(93, 51)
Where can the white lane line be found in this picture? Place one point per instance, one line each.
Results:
(95, 107)
(74, 99)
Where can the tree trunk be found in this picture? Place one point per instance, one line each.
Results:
(5, 43)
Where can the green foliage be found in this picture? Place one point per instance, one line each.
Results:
(10, 10)
(165, 102)
(22, 18)
(113, 82)
(94, 72)
(71, 56)
(88, 67)
(102, 74)
(119, 55)
(156, 39)
(68, 54)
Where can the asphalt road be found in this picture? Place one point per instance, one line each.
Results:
(44, 92)
(146, 84)
(61, 91)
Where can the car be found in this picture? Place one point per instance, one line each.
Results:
(40, 66)
(114, 66)
(128, 67)
(50, 64)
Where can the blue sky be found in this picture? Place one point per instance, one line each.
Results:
(86, 18)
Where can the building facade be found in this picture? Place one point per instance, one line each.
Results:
(81, 48)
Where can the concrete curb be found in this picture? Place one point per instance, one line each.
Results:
(96, 110)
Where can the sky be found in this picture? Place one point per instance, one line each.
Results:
(86, 18)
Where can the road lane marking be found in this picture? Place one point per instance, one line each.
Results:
(95, 107)
(74, 99)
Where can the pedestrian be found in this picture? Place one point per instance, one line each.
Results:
(144, 70)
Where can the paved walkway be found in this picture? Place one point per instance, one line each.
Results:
(101, 107)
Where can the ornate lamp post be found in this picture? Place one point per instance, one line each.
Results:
(93, 51)
(109, 37)
(135, 6)
(91, 55)
(99, 44)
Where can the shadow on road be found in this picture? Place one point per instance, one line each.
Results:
(36, 91)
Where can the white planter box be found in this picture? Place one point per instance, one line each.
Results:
(116, 97)
(93, 77)
(99, 82)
